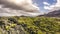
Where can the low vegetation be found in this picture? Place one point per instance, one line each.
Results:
(29, 25)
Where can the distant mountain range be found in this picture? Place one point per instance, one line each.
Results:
(55, 13)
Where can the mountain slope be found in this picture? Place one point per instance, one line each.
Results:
(55, 13)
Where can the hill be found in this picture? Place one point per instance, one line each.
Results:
(55, 13)
(29, 25)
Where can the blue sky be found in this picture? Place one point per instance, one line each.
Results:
(41, 4)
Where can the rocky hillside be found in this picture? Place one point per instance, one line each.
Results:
(29, 25)
(55, 13)
(9, 26)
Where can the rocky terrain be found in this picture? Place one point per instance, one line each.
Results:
(29, 25)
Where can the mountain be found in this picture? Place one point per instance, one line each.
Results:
(55, 13)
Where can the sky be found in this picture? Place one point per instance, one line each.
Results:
(27, 7)
(46, 6)
(18, 8)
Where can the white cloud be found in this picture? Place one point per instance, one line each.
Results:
(53, 7)
(35, 4)
(46, 7)
(46, 3)
(58, 3)
(18, 7)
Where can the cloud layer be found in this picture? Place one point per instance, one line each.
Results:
(18, 7)
(53, 7)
